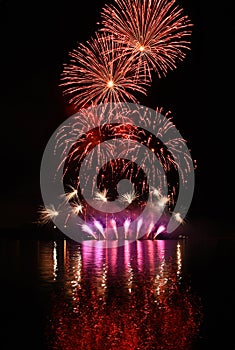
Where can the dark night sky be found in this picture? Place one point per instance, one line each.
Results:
(35, 39)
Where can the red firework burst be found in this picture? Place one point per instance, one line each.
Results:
(154, 32)
(98, 72)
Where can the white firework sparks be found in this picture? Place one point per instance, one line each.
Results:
(47, 214)
(102, 196)
(70, 195)
(129, 197)
(178, 218)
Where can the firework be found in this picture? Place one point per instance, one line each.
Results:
(126, 225)
(68, 196)
(151, 227)
(127, 139)
(129, 197)
(114, 226)
(99, 72)
(163, 201)
(87, 229)
(137, 37)
(156, 192)
(102, 196)
(139, 224)
(77, 208)
(47, 214)
(100, 228)
(153, 32)
(160, 230)
(178, 218)
(94, 153)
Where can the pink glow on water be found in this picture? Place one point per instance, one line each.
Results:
(161, 249)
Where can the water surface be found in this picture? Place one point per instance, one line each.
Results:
(58, 294)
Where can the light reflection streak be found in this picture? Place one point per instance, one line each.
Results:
(159, 279)
(55, 262)
(65, 248)
(128, 267)
(124, 298)
(179, 259)
(139, 256)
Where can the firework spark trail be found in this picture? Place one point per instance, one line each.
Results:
(87, 229)
(129, 197)
(99, 226)
(77, 208)
(84, 139)
(102, 196)
(156, 192)
(99, 73)
(127, 224)
(138, 37)
(153, 32)
(83, 128)
(160, 229)
(178, 218)
(162, 202)
(114, 226)
(47, 214)
(151, 226)
(67, 137)
(139, 224)
(165, 130)
(68, 196)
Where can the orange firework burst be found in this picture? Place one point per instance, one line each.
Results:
(98, 72)
(155, 32)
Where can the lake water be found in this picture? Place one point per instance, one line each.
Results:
(176, 294)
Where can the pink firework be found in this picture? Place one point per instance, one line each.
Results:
(98, 72)
(155, 32)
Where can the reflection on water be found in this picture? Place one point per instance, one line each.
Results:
(132, 297)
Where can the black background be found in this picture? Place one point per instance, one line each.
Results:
(35, 40)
